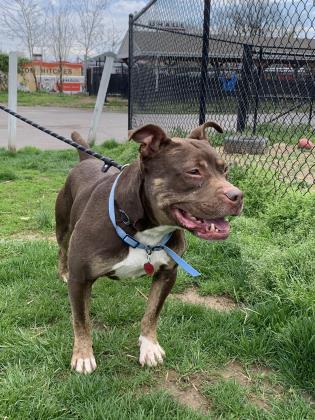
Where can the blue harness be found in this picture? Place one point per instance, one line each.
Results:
(131, 241)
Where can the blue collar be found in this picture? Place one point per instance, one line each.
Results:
(134, 243)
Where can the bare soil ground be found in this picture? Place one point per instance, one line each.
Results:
(219, 303)
(186, 391)
(288, 161)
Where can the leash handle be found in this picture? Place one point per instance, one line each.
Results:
(107, 161)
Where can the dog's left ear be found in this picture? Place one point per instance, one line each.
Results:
(199, 133)
(151, 138)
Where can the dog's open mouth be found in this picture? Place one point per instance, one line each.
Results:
(209, 229)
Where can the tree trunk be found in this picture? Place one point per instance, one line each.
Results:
(60, 76)
(35, 77)
(85, 71)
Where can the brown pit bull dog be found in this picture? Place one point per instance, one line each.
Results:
(176, 184)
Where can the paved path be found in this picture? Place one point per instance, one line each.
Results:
(113, 125)
(171, 122)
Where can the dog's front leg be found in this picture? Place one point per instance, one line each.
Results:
(151, 353)
(83, 360)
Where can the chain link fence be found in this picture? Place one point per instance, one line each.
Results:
(249, 66)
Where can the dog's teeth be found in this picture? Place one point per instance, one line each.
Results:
(212, 228)
(193, 218)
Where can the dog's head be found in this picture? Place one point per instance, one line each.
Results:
(185, 181)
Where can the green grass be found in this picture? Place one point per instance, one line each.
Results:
(64, 100)
(224, 105)
(267, 266)
(274, 132)
(288, 134)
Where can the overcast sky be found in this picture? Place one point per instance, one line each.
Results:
(120, 9)
(301, 12)
(118, 12)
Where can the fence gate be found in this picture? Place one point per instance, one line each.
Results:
(249, 66)
(118, 83)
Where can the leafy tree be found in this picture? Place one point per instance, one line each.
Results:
(4, 69)
(4, 63)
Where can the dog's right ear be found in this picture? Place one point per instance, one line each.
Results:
(151, 138)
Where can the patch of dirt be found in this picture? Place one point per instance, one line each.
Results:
(257, 380)
(259, 402)
(185, 390)
(234, 371)
(253, 376)
(32, 236)
(99, 325)
(219, 303)
(288, 161)
(261, 370)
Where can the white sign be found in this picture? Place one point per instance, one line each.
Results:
(167, 24)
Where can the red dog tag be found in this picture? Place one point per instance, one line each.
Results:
(148, 268)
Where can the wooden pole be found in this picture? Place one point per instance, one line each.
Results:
(12, 99)
(101, 95)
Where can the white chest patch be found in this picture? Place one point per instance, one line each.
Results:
(132, 265)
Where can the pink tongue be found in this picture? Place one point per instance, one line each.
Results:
(221, 224)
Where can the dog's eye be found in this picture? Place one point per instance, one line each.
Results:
(194, 171)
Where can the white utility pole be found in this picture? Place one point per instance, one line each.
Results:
(12, 99)
(101, 95)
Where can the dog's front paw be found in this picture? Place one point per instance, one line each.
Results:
(151, 353)
(83, 363)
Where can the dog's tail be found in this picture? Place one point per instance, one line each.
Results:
(78, 139)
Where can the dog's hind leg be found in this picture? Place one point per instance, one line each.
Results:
(151, 353)
(83, 360)
(63, 233)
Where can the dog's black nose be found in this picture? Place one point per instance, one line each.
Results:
(234, 194)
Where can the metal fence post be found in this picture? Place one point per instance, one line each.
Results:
(257, 89)
(310, 114)
(130, 66)
(312, 97)
(244, 87)
(204, 62)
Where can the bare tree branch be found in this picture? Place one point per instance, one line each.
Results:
(61, 31)
(23, 20)
(91, 22)
(255, 17)
(113, 37)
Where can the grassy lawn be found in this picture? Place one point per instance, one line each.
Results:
(219, 106)
(274, 132)
(225, 105)
(64, 100)
(253, 360)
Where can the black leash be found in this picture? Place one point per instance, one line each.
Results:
(107, 161)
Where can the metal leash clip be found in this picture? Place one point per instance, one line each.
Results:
(105, 168)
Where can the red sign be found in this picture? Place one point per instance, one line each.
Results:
(71, 87)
